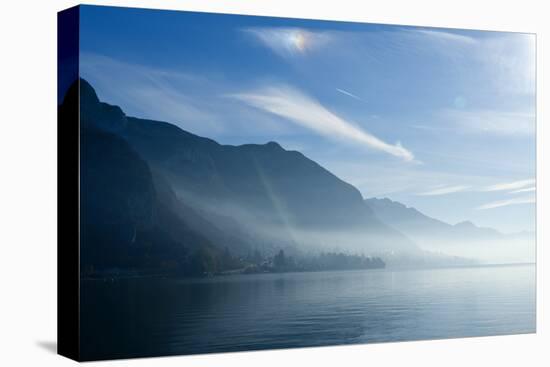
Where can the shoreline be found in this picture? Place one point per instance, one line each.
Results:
(235, 273)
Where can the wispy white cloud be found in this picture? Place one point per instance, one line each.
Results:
(508, 59)
(511, 61)
(381, 178)
(507, 186)
(445, 190)
(501, 203)
(289, 41)
(297, 107)
(496, 122)
(349, 94)
(149, 92)
(527, 189)
(446, 36)
(518, 186)
(193, 101)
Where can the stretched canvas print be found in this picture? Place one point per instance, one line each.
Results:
(236, 183)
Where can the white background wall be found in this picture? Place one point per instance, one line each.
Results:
(28, 183)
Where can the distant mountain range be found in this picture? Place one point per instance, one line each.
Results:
(464, 238)
(152, 194)
(416, 224)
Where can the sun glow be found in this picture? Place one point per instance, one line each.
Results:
(298, 40)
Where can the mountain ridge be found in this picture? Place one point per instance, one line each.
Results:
(274, 196)
(413, 212)
(463, 238)
(261, 196)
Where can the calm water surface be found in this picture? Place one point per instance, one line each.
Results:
(140, 317)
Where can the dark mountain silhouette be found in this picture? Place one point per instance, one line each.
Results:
(241, 197)
(129, 217)
(280, 186)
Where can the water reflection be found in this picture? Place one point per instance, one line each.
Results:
(249, 312)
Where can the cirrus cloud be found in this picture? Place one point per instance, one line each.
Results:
(527, 189)
(297, 107)
(514, 185)
(444, 190)
(501, 203)
(349, 94)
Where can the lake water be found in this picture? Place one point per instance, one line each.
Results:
(144, 317)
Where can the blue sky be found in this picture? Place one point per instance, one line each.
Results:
(439, 119)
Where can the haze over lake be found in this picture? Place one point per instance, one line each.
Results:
(264, 311)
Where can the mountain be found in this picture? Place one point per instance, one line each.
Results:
(280, 187)
(414, 223)
(155, 195)
(248, 196)
(130, 218)
(462, 239)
